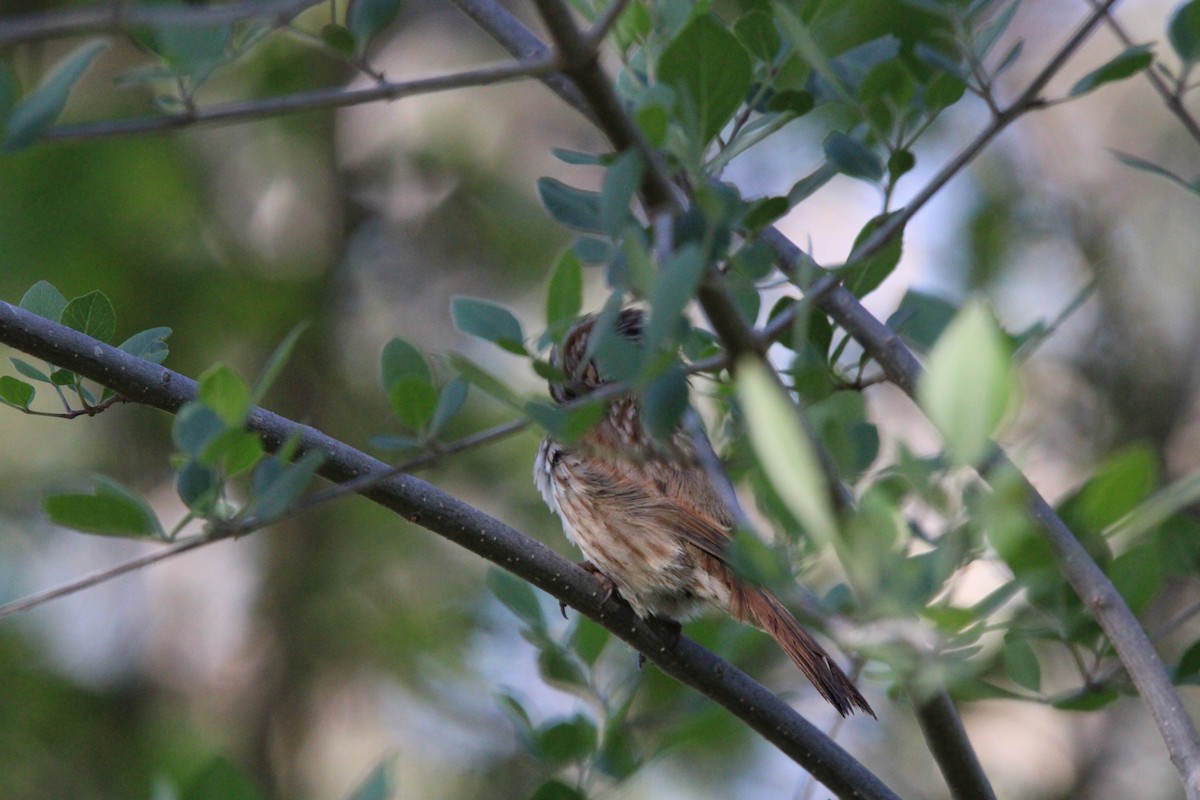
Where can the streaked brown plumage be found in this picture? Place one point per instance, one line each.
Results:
(647, 518)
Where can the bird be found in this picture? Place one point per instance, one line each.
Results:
(653, 527)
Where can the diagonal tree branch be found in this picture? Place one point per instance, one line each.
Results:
(428, 506)
(1133, 647)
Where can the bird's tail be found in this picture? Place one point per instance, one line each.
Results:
(763, 610)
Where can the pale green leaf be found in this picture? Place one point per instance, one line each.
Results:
(785, 451)
(968, 386)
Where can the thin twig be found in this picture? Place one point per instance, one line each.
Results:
(1172, 98)
(113, 16)
(339, 97)
(1026, 101)
(102, 576)
(604, 23)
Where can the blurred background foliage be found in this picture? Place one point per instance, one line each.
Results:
(305, 655)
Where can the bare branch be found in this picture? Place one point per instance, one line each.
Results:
(428, 506)
(244, 110)
(1172, 98)
(112, 16)
(947, 740)
(102, 576)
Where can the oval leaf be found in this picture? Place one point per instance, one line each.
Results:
(91, 314)
(969, 385)
(44, 300)
(15, 392)
(1128, 63)
(400, 360)
(41, 107)
(488, 321)
(784, 450)
(710, 70)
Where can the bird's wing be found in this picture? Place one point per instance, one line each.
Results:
(678, 500)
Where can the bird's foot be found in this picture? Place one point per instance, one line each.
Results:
(606, 584)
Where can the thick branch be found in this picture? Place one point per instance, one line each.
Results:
(428, 506)
(947, 740)
(902, 368)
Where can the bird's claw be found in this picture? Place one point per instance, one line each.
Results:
(610, 588)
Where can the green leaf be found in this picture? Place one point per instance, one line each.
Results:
(1021, 663)
(379, 785)
(275, 363)
(851, 157)
(755, 562)
(572, 207)
(15, 392)
(577, 157)
(235, 451)
(1089, 701)
(589, 640)
(224, 391)
(1158, 508)
(517, 596)
(1130, 62)
(195, 426)
(621, 182)
(757, 33)
(711, 71)
(339, 39)
(1154, 169)
(38, 110)
(1138, 574)
(278, 488)
(568, 740)
(193, 49)
(198, 487)
(784, 450)
(674, 288)
(63, 377)
(414, 400)
(864, 277)
(764, 212)
(921, 318)
(565, 295)
(792, 101)
(558, 668)
(220, 779)
(1184, 31)
(30, 371)
(401, 360)
(480, 377)
(449, 403)
(1189, 663)
(366, 18)
(488, 321)
(1124, 480)
(10, 93)
(899, 163)
(150, 345)
(91, 314)
(555, 789)
(664, 402)
(112, 511)
(968, 386)
(45, 301)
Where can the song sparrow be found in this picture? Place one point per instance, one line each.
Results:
(649, 520)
